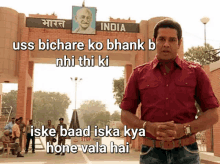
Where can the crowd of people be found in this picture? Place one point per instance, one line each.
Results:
(14, 131)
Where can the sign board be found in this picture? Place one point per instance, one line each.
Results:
(67, 24)
(86, 140)
(83, 20)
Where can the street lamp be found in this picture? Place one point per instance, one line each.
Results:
(76, 79)
(205, 20)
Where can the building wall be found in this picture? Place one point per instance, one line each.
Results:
(8, 33)
(215, 81)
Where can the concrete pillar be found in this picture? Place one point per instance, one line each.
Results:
(128, 71)
(0, 99)
(23, 81)
(22, 78)
(144, 31)
(180, 51)
(208, 140)
(29, 107)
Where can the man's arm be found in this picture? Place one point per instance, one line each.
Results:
(5, 141)
(205, 121)
(6, 127)
(131, 120)
(206, 99)
(164, 130)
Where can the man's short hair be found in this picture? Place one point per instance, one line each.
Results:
(17, 119)
(87, 9)
(20, 118)
(30, 120)
(61, 119)
(168, 23)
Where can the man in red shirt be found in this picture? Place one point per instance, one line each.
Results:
(167, 89)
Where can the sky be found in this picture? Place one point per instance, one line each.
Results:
(97, 82)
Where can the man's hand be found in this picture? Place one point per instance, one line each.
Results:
(166, 131)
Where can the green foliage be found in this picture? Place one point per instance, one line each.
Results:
(118, 90)
(202, 54)
(116, 116)
(46, 105)
(50, 106)
(93, 113)
(10, 99)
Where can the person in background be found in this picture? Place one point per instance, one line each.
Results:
(16, 136)
(7, 140)
(61, 140)
(49, 138)
(10, 125)
(29, 137)
(21, 126)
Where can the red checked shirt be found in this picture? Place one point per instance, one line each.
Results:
(168, 96)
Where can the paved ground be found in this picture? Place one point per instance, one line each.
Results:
(41, 157)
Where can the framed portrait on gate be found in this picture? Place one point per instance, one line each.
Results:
(83, 20)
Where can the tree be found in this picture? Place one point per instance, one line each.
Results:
(116, 116)
(202, 55)
(10, 99)
(93, 113)
(46, 105)
(50, 106)
(118, 90)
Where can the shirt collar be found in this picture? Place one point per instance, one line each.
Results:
(177, 61)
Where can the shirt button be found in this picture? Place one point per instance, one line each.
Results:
(166, 113)
(167, 85)
(167, 98)
(164, 73)
(147, 85)
(186, 83)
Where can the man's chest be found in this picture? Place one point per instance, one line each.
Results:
(62, 125)
(156, 84)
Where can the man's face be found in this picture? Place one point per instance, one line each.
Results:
(13, 121)
(49, 122)
(19, 121)
(167, 43)
(6, 133)
(61, 121)
(83, 18)
(30, 122)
